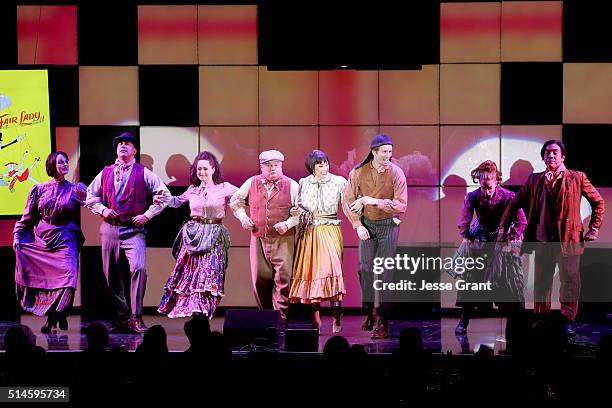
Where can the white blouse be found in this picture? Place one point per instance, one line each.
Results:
(323, 198)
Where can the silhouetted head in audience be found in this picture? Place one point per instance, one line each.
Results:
(605, 347)
(337, 348)
(484, 351)
(97, 337)
(410, 341)
(154, 340)
(218, 347)
(358, 351)
(198, 332)
(18, 340)
(548, 337)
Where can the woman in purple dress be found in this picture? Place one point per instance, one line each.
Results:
(47, 241)
(501, 265)
(196, 284)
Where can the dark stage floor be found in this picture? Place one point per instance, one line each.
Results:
(438, 334)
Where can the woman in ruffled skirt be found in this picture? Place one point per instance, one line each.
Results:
(317, 270)
(196, 284)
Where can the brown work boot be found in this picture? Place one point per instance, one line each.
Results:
(381, 330)
(136, 324)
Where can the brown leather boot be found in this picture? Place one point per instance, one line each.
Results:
(136, 324)
(381, 330)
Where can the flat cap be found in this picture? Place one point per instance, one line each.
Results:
(270, 155)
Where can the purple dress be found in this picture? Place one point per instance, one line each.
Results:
(47, 263)
(503, 271)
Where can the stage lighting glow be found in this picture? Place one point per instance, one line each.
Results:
(516, 148)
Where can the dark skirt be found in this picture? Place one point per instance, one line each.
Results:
(502, 268)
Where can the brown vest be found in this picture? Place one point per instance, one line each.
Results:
(267, 211)
(384, 190)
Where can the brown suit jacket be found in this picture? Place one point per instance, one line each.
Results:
(574, 185)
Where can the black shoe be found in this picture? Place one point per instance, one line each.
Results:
(136, 324)
(120, 326)
(50, 324)
(62, 321)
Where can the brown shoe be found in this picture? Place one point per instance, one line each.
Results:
(381, 330)
(136, 324)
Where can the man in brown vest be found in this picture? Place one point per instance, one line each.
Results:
(376, 193)
(551, 200)
(270, 197)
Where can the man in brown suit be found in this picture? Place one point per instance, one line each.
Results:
(551, 200)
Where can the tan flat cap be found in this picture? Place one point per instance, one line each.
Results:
(270, 155)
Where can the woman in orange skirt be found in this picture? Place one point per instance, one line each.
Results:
(317, 268)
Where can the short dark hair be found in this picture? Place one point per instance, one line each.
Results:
(315, 157)
(193, 171)
(51, 163)
(550, 142)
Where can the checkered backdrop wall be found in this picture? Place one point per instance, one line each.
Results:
(501, 78)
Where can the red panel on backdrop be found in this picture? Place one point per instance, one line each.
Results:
(47, 34)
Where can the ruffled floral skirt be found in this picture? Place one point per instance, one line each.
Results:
(197, 281)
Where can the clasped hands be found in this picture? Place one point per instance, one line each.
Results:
(111, 215)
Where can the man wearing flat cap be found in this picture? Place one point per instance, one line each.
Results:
(119, 194)
(270, 196)
(376, 194)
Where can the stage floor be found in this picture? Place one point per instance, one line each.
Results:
(438, 335)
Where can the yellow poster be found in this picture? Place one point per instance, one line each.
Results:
(25, 136)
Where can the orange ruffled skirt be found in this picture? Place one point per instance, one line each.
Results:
(317, 268)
